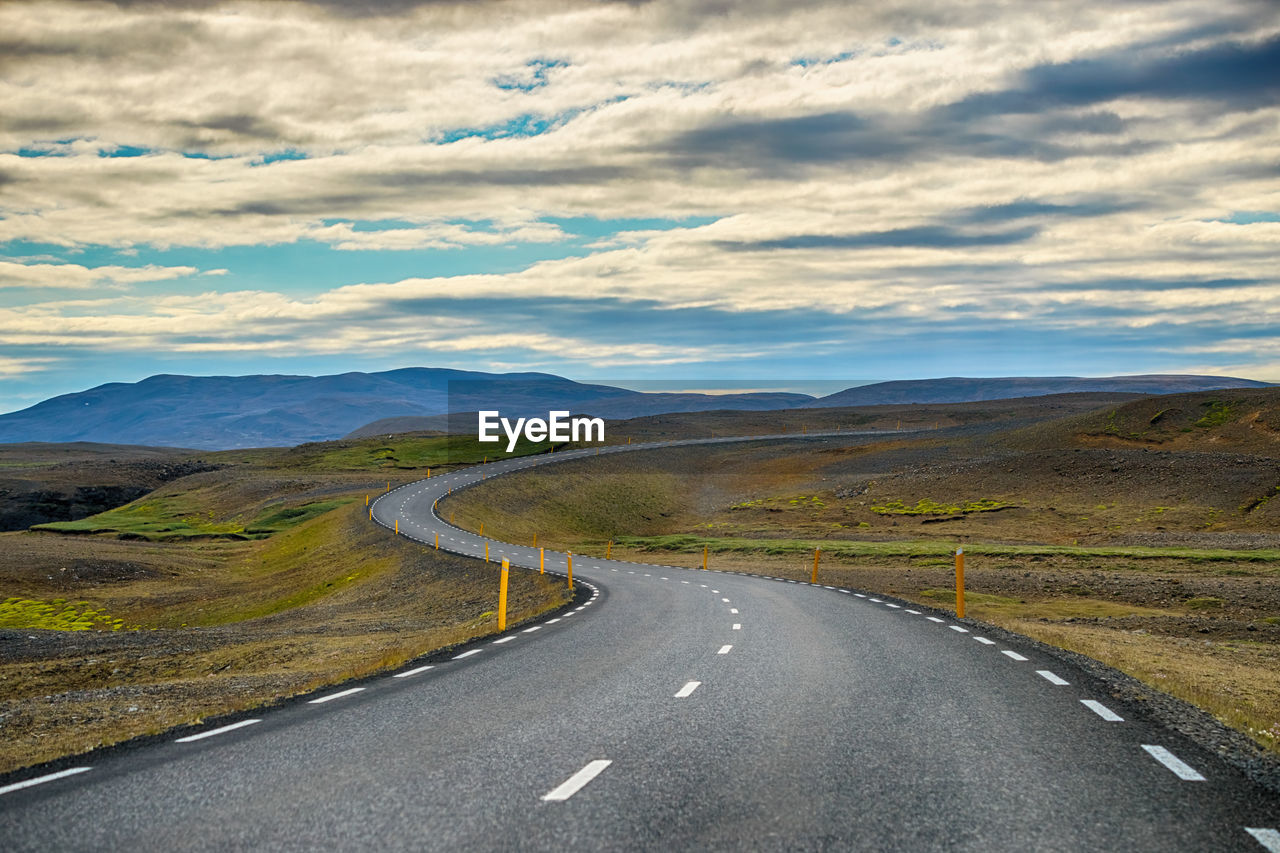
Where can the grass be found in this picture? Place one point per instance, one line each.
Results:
(162, 519)
(1238, 683)
(394, 453)
(925, 506)
(993, 608)
(55, 615)
(1218, 414)
(688, 543)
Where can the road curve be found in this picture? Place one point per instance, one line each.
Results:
(668, 709)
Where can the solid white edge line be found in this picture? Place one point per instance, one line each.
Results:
(1052, 678)
(724, 650)
(1173, 763)
(575, 783)
(413, 671)
(1267, 837)
(337, 695)
(218, 731)
(688, 688)
(40, 780)
(502, 640)
(1102, 710)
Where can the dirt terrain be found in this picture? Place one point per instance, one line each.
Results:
(223, 590)
(63, 482)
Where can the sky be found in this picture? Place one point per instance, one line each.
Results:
(757, 191)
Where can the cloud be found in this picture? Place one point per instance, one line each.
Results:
(921, 166)
(77, 277)
(922, 236)
(11, 367)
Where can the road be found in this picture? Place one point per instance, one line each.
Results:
(669, 709)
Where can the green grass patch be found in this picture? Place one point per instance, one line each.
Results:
(1218, 413)
(925, 506)
(278, 518)
(55, 615)
(406, 452)
(917, 548)
(164, 519)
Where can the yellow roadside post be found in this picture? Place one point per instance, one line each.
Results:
(628, 440)
(704, 558)
(608, 550)
(486, 551)
(486, 461)
(371, 513)
(437, 541)
(570, 570)
(959, 583)
(542, 561)
(366, 500)
(451, 516)
(482, 528)
(502, 596)
(388, 485)
(816, 553)
(397, 527)
(535, 540)
(428, 472)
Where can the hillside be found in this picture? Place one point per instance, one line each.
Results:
(962, 390)
(1242, 420)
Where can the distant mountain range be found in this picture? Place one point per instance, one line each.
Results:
(218, 412)
(958, 389)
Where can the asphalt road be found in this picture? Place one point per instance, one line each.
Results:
(669, 709)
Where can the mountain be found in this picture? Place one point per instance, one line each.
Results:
(215, 412)
(957, 389)
(218, 412)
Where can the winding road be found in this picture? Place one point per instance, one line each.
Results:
(668, 709)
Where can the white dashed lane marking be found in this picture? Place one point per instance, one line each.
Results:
(414, 671)
(1268, 838)
(958, 628)
(1051, 678)
(724, 650)
(1175, 764)
(737, 626)
(1102, 711)
(349, 691)
(688, 688)
(985, 641)
(40, 780)
(466, 654)
(1012, 655)
(218, 731)
(577, 781)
